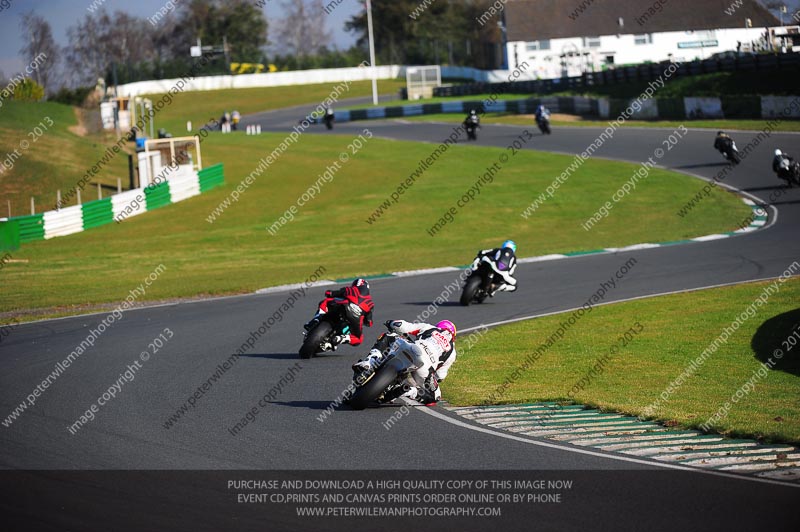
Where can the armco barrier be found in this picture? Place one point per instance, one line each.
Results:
(97, 213)
(31, 228)
(158, 196)
(211, 177)
(9, 235)
(272, 79)
(77, 218)
(774, 106)
(671, 108)
(741, 106)
(499, 106)
(63, 222)
(753, 107)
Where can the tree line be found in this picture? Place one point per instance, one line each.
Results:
(117, 46)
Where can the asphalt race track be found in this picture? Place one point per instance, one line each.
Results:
(129, 432)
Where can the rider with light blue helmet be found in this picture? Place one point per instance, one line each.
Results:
(505, 260)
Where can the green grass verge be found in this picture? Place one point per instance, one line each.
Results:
(675, 330)
(201, 106)
(237, 254)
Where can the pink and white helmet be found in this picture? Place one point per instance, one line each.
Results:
(447, 325)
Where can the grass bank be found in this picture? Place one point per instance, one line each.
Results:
(57, 156)
(237, 254)
(665, 334)
(201, 106)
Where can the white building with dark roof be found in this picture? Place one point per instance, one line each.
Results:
(568, 37)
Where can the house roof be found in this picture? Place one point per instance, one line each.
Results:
(531, 20)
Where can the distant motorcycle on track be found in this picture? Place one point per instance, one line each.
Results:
(727, 147)
(544, 124)
(485, 279)
(787, 168)
(329, 118)
(471, 125)
(543, 120)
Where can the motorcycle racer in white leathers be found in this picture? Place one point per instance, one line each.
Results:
(437, 342)
(506, 261)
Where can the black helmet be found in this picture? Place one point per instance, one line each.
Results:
(362, 285)
(720, 132)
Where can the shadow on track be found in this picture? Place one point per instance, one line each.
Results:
(292, 356)
(777, 186)
(427, 303)
(794, 202)
(274, 356)
(324, 405)
(311, 405)
(704, 165)
(772, 335)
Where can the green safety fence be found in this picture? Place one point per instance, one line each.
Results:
(211, 177)
(157, 196)
(97, 213)
(31, 228)
(24, 229)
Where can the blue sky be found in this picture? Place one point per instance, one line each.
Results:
(64, 13)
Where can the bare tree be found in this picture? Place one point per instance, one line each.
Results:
(240, 22)
(303, 30)
(101, 40)
(40, 48)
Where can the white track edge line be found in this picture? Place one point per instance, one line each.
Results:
(624, 300)
(619, 457)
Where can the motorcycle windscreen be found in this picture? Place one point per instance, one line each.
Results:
(503, 259)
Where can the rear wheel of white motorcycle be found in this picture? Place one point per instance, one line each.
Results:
(470, 289)
(314, 338)
(373, 388)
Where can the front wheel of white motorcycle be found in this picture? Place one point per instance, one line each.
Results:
(369, 392)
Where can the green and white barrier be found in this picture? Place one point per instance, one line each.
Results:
(724, 107)
(182, 184)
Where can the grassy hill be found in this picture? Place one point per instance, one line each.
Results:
(56, 160)
(237, 254)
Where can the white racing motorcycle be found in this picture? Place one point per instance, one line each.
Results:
(396, 374)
